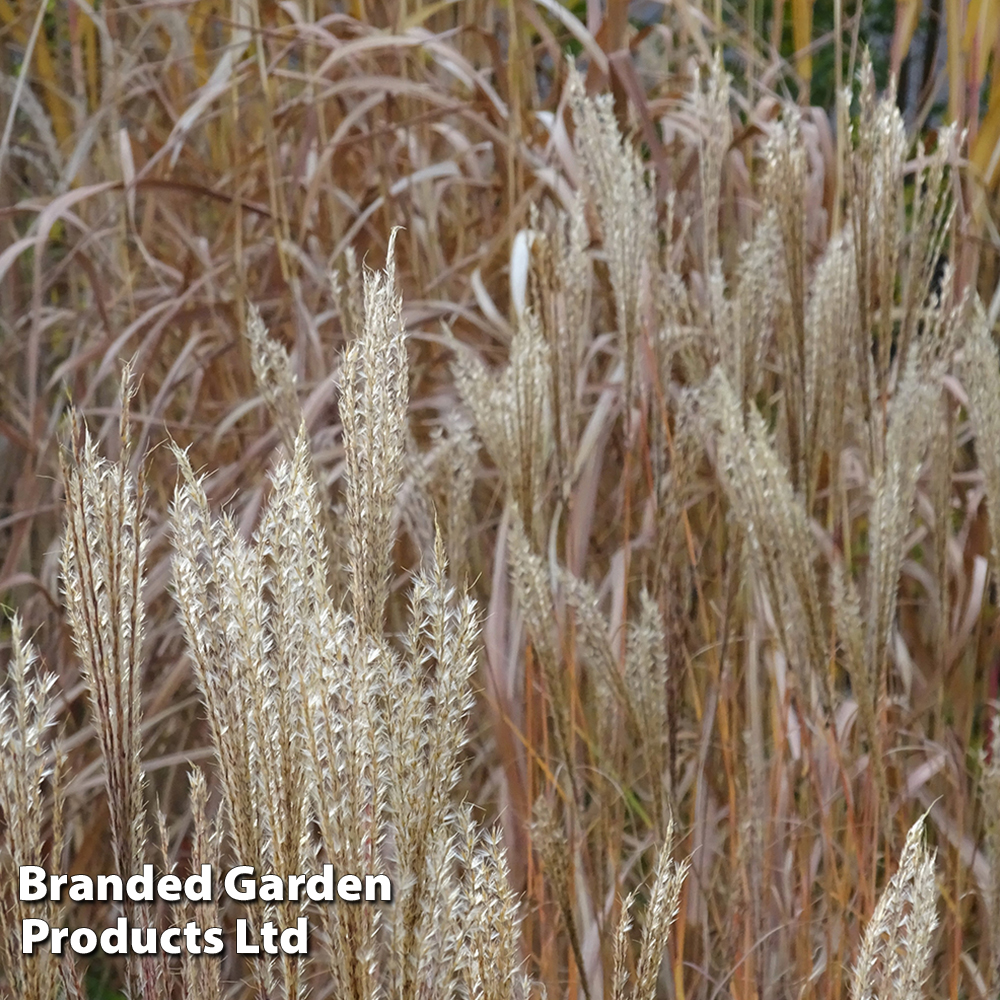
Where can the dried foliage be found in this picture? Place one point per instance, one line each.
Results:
(27, 713)
(603, 471)
(896, 948)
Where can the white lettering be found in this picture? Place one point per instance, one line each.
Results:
(349, 888)
(31, 886)
(33, 931)
(198, 887)
(240, 890)
(243, 943)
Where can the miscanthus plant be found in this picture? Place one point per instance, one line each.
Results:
(713, 479)
(334, 740)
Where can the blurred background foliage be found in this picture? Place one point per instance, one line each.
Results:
(164, 163)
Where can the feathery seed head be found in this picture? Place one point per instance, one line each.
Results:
(26, 716)
(103, 570)
(623, 193)
(513, 414)
(374, 385)
(896, 948)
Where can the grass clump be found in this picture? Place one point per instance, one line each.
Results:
(613, 566)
